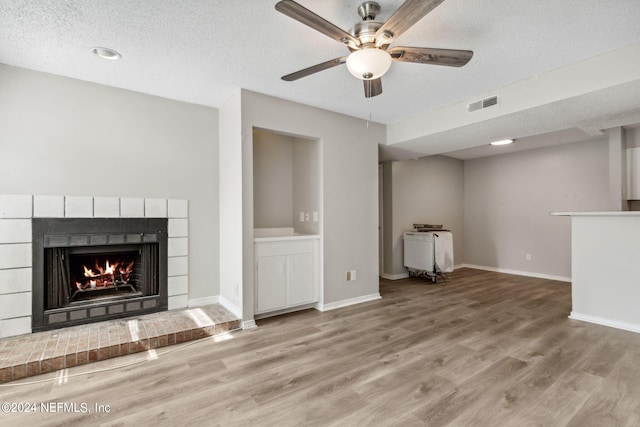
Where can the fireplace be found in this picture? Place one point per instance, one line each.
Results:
(92, 269)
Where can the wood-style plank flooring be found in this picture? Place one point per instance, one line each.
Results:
(486, 349)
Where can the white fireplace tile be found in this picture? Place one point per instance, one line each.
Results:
(178, 301)
(15, 255)
(132, 207)
(48, 206)
(16, 206)
(155, 208)
(178, 246)
(78, 207)
(15, 305)
(178, 227)
(13, 327)
(106, 207)
(15, 231)
(15, 280)
(178, 209)
(177, 266)
(178, 285)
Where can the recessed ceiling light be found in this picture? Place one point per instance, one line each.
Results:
(502, 142)
(106, 53)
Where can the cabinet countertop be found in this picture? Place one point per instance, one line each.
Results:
(611, 213)
(284, 238)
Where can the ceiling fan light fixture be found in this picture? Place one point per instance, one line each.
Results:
(369, 63)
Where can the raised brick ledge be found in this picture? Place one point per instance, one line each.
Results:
(38, 353)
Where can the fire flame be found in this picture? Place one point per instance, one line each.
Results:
(108, 269)
(112, 274)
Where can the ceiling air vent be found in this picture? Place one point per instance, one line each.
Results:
(482, 104)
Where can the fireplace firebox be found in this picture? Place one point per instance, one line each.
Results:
(92, 269)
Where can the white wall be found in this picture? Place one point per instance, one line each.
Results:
(605, 259)
(428, 190)
(60, 136)
(306, 184)
(349, 211)
(387, 219)
(633, 137)
(507, 200)
(272, 179)
(231, 202)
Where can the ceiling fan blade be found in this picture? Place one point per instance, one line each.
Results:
(372, 87)
(314, 69)
(426, 55)
(406, 16)
(310, 19)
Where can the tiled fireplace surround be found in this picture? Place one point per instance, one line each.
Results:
(16, 212)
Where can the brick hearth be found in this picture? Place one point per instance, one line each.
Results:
(42, 352)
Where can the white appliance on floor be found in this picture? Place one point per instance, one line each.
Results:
(429, 253)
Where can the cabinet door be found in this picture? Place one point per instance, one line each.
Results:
(272, 278)
(301, 287)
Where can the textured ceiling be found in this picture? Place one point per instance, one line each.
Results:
(199, 50)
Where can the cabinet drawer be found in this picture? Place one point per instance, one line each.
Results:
(283, 248)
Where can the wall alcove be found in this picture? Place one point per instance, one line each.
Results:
(286, 182)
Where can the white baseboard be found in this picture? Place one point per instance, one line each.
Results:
(286, 310)
(237, 311)
(199, 302)
(348, 302)
(249, 324)
(605, 322)
(518, 272)
(394, 276)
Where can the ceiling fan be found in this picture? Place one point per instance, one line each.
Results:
(369, 42)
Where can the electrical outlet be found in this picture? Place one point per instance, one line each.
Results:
(306, 217)
(527, 256)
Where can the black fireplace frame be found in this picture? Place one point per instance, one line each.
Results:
(98, 232)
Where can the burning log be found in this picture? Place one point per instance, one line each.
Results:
(111, 275)
(102, 281)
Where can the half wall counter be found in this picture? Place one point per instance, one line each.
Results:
(605, 268)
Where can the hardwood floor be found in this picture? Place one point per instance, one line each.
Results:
(486, 349)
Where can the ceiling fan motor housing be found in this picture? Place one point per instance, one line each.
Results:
(368, 10)
(365, 32)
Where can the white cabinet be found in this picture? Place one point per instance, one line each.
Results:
(286, 274)
(271, 278)
(301, 289)
(633, 173)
